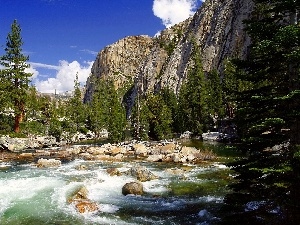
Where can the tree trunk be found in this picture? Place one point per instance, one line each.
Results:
(19, 116)
(18, 120)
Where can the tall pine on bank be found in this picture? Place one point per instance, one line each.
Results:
(267, 191)
(14, 80)
(106, 111)
(76, 108)
(193, 109)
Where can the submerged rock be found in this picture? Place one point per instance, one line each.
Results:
(86, 206)
(48, 163)
(135, 188)
(141, 173)
(113, 172)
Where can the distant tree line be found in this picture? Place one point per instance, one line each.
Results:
(156, 116)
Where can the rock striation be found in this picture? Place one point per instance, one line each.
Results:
(148, 64)
(119, 62)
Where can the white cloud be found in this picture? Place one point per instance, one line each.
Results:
(64, 78)
(33, 71)
(42, 65)
(174, 11)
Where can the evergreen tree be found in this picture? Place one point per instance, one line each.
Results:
(76, 108)
(107, 111)
(170, 99)
(160, 118)
(268, 117)
(193, 107)
(140, 120)
(117, 115)
(98, 115)
(13, 77)
(215, 95)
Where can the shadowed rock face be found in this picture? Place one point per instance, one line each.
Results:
(152, 63)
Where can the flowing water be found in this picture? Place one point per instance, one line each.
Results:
(183, 194)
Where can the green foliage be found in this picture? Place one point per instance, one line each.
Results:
(6, 123)
(267, 117)
(152, 118)
(215, 94)
(76, 112)
(170, 99)
(160, 118)
(13, 78)
(107, 111)
(117, 115)
(194, 109)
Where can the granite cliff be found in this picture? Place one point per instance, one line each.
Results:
(152, 63)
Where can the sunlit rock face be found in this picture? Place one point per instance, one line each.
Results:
(119, 61)
(152, 63)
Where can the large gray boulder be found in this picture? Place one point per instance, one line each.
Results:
(135, 188)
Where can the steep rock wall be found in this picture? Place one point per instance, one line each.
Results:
(119, 61)
(217, 27)
(152, 63)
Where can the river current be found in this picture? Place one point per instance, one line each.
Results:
(183, 193)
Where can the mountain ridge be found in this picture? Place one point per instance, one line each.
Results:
(153, 63)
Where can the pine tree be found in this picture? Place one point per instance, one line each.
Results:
(268, 118)
(170, 99)
(117, 115)
(13, 77)
(98, 116)
(107, 111)
(76, 108)
(193, 107)
(159, 117)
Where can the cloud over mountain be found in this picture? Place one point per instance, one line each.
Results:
(174, 11)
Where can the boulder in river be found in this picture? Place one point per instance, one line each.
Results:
(141, 173)
(86, 206)
(48, 163)
(113, 171)
(81, 201)
(135, 188)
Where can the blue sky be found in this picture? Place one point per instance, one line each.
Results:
(63, 37)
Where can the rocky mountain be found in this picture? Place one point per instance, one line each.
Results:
(149, 64)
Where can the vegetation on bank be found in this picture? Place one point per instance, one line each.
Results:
(156, 116)
(260, 94)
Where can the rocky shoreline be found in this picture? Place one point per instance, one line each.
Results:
(34, 150)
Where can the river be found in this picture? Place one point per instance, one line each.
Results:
(183, 193)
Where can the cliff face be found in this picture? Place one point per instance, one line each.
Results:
(152, 63)
(119, 62)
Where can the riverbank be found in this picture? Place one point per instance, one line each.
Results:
(162, 151)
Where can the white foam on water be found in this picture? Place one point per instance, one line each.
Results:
(5, 165)
(109, 208)
(156, 186)
(210, 198)
(220, 166)
(18, 189)
(109, 188)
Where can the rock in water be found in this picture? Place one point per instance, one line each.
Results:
(81, 201)
(113, 172)
(141, 173)
(48, 163)
(86, 206)
(135, 188)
